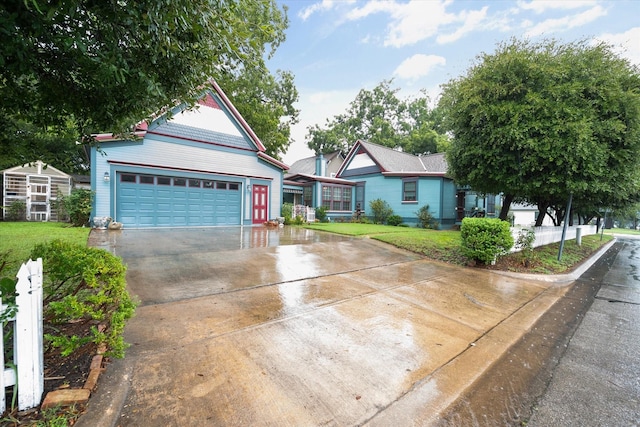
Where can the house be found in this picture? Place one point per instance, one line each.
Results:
(304, 177)
(193, 168)
(406, 182)
(38, 186)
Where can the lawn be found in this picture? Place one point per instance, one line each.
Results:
(444, 245)
(18, 238)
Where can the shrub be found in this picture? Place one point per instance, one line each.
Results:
(524, 243)
(76, 206)
(84, 285)
(381, 211)
(394, 220)
(17, 211)
(321, 214)
(484, 239)
(425, 219)
(287, 212)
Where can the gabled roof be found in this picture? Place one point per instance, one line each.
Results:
(392, 162)
(37, 167)
(308, 164)
(216, 121)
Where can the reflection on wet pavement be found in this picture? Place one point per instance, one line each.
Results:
(315, 330)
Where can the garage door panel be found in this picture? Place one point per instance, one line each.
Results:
(159, 203)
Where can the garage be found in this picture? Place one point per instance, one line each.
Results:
(145, 200)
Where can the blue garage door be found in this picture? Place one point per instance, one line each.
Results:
(164, 201)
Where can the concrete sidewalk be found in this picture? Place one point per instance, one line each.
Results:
(363, 333)
(597, 381)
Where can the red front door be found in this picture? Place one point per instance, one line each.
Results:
(260, 199)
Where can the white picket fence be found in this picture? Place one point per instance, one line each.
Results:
(308, 214)
(27, 341)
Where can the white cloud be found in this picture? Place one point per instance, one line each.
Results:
(418, 20)
(566, 23)
(418, 65)
(541, 6)
(323, 6)
(626, 43)
(471, 20)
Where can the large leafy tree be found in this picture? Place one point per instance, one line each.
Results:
(107, 64)
(266, 101)
(539, 122)
(381, 117)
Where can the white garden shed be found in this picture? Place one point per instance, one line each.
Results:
(37, 185)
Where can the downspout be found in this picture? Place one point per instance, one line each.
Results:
(441, 199)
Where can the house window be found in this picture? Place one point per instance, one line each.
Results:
(207, 184)
(234, 186)
(491, 204)
(195, 183)
(336, 197)
(307, 196)
(125, 177)
(147, 179)
(164, 180)
(179, 182)
(410, 190)
(221, 185)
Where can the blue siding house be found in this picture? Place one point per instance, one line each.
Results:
(405, 181)
(200, 167)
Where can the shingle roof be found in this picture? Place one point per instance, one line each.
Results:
(391, 160)
(307, 165)
(197, 134)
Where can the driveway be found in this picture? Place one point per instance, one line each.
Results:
(255, 326)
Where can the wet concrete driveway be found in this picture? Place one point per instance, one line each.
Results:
(256, 326)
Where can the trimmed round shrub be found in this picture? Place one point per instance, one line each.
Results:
(484, 239)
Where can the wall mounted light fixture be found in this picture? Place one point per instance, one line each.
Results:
(106, 177)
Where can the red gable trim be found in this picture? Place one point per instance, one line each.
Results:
(273, 161)
(208, 101)
(237, 116)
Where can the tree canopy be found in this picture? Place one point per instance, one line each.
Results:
(106, 65)
(379, 116)
(538, 122)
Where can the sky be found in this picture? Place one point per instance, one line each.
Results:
(337, 48)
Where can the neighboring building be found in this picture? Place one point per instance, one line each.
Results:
(405, 181)
(304, 177)
(526, 215)
(38, 186)
(203, 167)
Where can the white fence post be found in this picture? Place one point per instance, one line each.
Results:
(27, 340)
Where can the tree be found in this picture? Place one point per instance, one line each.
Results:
(23, 142)
(379, 116)
(538, 122)
(107, 64)
(266, 103)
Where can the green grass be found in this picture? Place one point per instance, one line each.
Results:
(444, 245)
(18, 239)
(358, 229)
(622, 231)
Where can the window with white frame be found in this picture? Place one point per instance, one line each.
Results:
(336, 197)
(410, 190)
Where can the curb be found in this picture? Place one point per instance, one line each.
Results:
(561, 278)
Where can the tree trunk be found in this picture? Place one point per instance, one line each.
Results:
(506, 205)
(542, 212)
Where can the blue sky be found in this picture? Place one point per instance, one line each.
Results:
(337, 48)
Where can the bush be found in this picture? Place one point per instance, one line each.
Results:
(321, 214)
(381, 211)
(17, 211)
(84, 285)
(524, 243)
(76, 206)
(394, 220)
(484, 239)
(287, 212)
(425, 219)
